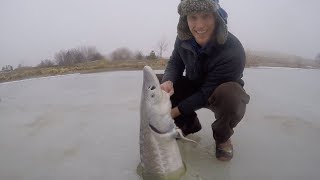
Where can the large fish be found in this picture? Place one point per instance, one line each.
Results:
(159, 152)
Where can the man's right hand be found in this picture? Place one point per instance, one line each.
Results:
(167, 87)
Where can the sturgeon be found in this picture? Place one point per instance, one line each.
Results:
(159, 152)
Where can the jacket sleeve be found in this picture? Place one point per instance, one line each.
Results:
(175, 67)
(229, 68)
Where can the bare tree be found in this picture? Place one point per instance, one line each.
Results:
(67, 57)
(152, 56)
(90, 53)
(139, 55)
(77, 55)
(46, 63)
(121, 54)
(7, 68)
(162, 46)
(60, 57)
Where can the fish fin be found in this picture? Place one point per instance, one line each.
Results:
(179, 134)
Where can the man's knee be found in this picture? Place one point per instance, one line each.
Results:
(229, 97)
(228, 102)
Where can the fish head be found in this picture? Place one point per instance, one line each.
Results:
(155, 107)
(154, 98)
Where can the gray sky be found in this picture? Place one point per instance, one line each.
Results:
(33, 30)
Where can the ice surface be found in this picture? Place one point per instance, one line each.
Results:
(86, 126)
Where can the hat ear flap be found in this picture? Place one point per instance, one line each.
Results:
(179, 9)
(221, 30)
(183, 29)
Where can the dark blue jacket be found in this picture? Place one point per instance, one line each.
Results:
(211, 66)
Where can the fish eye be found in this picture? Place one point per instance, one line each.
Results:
(152, 95)
(152, 87)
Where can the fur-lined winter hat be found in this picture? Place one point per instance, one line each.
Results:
(188, 7)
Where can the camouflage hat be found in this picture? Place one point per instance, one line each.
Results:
(188, 7)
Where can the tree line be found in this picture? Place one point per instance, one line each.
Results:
(126, 54)
(89, 53)
(74, 56)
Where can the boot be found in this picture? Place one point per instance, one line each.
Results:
(224, 151)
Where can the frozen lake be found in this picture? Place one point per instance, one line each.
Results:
(86, 127)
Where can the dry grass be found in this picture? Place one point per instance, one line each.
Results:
(291, 62)
(104, 65)
(87, 67)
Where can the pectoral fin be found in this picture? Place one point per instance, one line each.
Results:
(179, 135)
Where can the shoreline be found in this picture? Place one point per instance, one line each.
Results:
(107, 66)
(83, 68)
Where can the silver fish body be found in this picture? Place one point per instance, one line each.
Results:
(159, 152)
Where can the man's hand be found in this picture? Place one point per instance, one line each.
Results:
(167, 87)
(175, 112)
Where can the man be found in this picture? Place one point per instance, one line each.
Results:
(214, 61)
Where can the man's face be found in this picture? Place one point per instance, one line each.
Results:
(201, 26)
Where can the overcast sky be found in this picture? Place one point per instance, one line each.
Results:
(33, 30)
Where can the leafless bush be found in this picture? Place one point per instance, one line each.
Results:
(90, 53)
(46, 63)
(77, 55)
(162, 46)
(7, 68)
(122, 54)
(152, 56)
(139, 55)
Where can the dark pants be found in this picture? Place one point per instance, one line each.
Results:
(228, 102)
